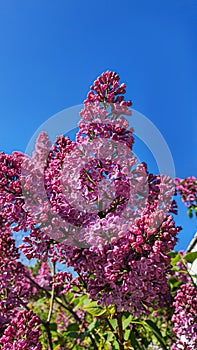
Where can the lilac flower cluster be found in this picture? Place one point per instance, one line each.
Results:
(15, 287)
(185, 318)
(63, 280)
(43, 277)
(23, 332)
(131, 272)
(11, 200)
(106, 88)
(188, 190)
(113, 130)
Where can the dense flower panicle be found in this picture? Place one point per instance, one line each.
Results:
(37, 245)
(43, 277)
(185, 318)
(188, 190)
(68, 182)
(43, 144)
(106, 88)
(11, 200)
(40, 212)
(32, 181)
(65, 281)
(54, 186)
(111, 131)
(131, 272)
(23, 332)
(57, 181)
(15, 287)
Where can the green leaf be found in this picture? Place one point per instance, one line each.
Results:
(189, 212)
(73, 334)
(134, 341)
(94, 309)
(69, 296)
(111, 310)
(110, 336)
(126, 322)
(72, 327)
(173, 282)
(175, 268)
(107, 346)
(115, 345)
(41, 302)
(190, 257)
(176, 259)
(92, 325)
(90, 328)
(155, 330)
(113, 323)
(80, 301)
(127, 334)
(172, 254)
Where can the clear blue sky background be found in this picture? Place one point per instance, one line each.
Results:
(51, 51)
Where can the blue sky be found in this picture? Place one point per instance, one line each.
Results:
(51, 51)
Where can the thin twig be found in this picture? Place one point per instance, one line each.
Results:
(120, 330)
(48, 331)
(52, 296)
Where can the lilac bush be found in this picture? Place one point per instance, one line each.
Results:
(116, 229)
